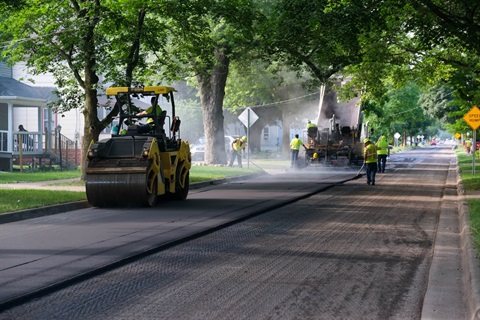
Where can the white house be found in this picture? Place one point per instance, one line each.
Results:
(24, 102)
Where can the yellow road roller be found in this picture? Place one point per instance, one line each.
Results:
(144, 158)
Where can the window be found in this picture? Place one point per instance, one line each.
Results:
(46, 116)
(266, 133)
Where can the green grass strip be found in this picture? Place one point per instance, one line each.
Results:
(16, 200)
(474, 208)
(14, 177)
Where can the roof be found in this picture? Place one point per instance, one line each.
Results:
(12, 88)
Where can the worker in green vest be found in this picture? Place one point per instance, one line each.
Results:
(370, 159)
(382, 153)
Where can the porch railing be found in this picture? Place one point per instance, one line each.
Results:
(54, 146)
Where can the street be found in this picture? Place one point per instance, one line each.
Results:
(312, 244)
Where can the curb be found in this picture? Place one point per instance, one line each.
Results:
(43, 211)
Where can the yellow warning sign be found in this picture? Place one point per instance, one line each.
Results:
(473, 118)
(457, 135)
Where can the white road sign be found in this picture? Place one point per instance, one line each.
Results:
(248, 113)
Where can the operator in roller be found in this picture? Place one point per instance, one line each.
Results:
(150, 122)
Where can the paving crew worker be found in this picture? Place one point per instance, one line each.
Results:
(295, 147)
(150, 122)
(468, 146)
(382, 153)
(311, 137)
(238, 145)
(370, 159)
(311, 125)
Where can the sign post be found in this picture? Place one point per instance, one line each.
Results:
(472, 117)
(396, 136)
(248, 118)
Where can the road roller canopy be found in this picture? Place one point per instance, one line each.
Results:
(148, 90)
(131, 118)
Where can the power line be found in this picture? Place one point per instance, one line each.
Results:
(284, 101)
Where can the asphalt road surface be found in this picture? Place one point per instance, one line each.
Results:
(325, 250)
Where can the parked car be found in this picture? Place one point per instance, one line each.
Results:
(198, 148)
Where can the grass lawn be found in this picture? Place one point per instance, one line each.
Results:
(471, 182)
(16, 200)
(14, 177)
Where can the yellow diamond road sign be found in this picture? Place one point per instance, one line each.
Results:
(473, 118)
(457, 135)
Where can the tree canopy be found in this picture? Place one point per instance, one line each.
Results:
(379, 46)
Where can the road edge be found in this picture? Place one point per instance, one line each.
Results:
(70, 206)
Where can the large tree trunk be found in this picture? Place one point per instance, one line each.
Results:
(92, 126)
(211, 87)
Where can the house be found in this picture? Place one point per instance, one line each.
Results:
(26, 106)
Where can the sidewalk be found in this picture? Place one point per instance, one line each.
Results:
(45, 185)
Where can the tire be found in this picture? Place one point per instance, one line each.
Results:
(151, 188)
(181, 192)
(152, 195)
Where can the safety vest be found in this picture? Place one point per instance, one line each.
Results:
(150, 110)
(238, 145)
(382, 147)
(370, 153)
(295, 144)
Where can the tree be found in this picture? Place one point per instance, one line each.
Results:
(206, 36)
(433, 43)
(274, 93)
(320, 38)
(79, 41)
(401, 111)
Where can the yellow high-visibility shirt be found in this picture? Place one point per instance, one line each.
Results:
(150, 110)
(382, 147)
(239, 144)
(295, 144)
(370, 153)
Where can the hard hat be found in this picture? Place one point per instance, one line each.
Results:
(366, 140)
(244, 138)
